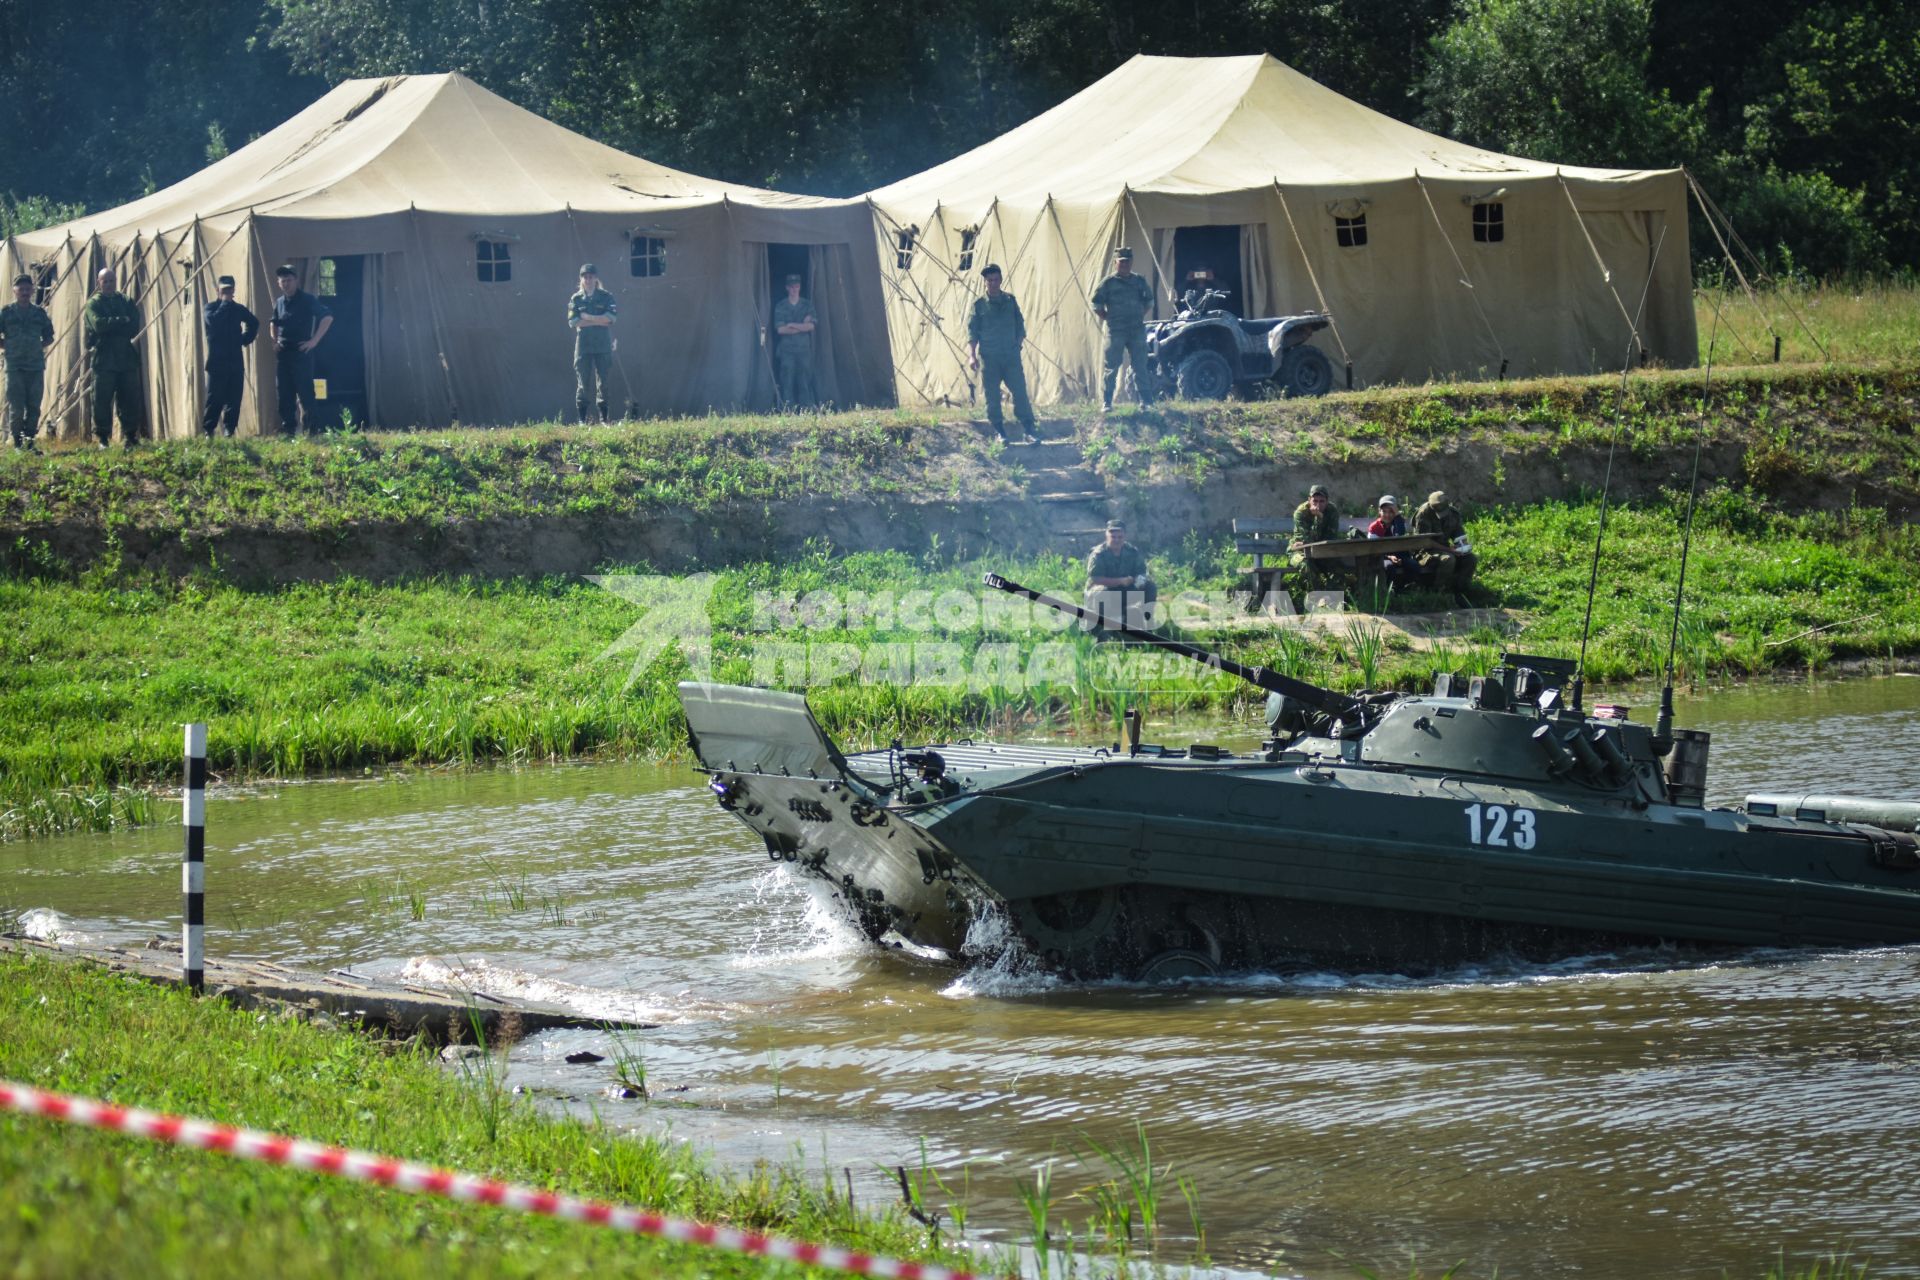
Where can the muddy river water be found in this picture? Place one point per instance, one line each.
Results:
(1620, 1115)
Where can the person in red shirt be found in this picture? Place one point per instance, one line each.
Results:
(1391, 524)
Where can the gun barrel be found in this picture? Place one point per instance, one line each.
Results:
(1337, 704)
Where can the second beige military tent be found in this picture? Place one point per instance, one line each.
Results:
(444, 227)
(1434, 258)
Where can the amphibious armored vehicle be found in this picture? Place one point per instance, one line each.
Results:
(1396, 831)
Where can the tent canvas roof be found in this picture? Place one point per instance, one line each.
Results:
(1200, 125)
(435, 142)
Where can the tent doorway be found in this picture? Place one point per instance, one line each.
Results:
(341, 285)
(846, 369)
(1214, 250)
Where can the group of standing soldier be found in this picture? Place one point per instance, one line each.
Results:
(111, 326)
(996, 331)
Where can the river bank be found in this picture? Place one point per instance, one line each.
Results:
(345, 676)
(91, 1203)
(707, 493)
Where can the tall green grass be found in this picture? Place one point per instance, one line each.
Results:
(350, 676)
(82, 1203)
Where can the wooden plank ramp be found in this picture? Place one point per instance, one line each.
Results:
(395, 1008)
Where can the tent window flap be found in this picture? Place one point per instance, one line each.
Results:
(968, 237)
(647, 257)
(492, 261)
(1489, 223)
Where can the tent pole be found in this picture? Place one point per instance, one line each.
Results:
(433, 311)
(1606, 276)
(1465, 282)
(1314, 279)
(1710, 209)
(1153, 255)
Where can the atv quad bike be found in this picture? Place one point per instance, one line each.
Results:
(1206, 351)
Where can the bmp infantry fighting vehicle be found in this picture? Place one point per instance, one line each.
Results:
(1206, 351)
(1381, 830)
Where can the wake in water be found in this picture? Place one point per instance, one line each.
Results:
(595, 1002)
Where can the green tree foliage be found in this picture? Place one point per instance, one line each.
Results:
(1561, 80)
(30, 213)
(1801, 119)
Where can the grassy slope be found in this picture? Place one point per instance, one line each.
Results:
(329, 677)
(82, 1203)
(1833, 423)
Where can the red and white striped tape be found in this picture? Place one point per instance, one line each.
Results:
(421, 1179)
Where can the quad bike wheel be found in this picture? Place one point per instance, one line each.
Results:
(1305, 371)
(1204, 375)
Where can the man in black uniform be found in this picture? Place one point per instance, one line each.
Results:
(299, 322)
(231, 329)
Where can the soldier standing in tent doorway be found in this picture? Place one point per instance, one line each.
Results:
(299, 322)
(26, 331)
(231, 329)
(112, 322)
(794, 321)
(995, 331)
(591, 312)
(1123, 301)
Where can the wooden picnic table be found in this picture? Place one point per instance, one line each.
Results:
(1361, 548)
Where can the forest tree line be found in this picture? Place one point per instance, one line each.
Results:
(1802, 119)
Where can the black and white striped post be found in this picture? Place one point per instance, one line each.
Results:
(193, 863)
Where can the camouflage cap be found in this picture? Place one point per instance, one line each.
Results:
(1113, 525)
(1318, 491)
(225, 282)
(20, 280)
(588, 269)
(1123, 253)
(1437, 497)
(793, 278)
(991, 269)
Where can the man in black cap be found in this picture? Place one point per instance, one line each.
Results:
(231, 329)
(794, 321)
(26, 331)
(995, 331)
(591, 312)
(1123, 300)
(1118, 585)
(299, 322)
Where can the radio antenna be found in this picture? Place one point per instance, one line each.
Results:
(1663, 724)
(1606, 482)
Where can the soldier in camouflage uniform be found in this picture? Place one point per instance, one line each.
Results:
(591, 312)
(794, 321)
(995, 331)
(112, 323)
(1448, 570)
(1119, 588)
(26, 331)
(1314, 520)
(1123, 301)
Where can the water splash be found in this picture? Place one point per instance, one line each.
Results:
(484, 977)
(798, 920)
(43, 924)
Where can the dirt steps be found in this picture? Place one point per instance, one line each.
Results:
(1068, 495)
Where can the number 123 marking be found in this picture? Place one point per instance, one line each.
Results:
(1499, 827)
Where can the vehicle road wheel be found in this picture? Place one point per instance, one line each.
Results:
(1072, 932)
(1204, 375)
(1178, 965)
(1305, 371)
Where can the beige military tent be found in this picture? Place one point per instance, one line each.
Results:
(444, 227)
(1434, 258)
